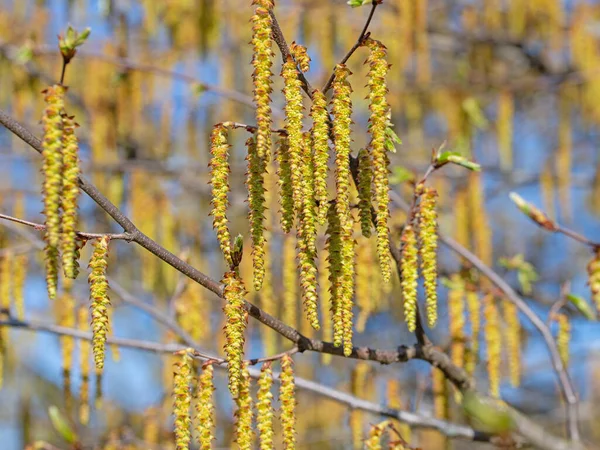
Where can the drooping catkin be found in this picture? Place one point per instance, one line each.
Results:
(373, 441)
(293, 125)
(205, 408)
(219, 172)
(493, 341)
(53, 161)
(409, 271)
(512, 336)
(99, 301)
(334, 259)
(342, 120)
(182, 400)
(320, 139)
(428, 250)
(264, 408)
(347, 294)
(364, 283)
(70, 194)
(325, 303)
(563, 337)
(262, 61)
(290, 283)
(593, 270)
(243, 426)
(286, 195)
(85, 353)
(287, 400)
(256, 215)
(456, 319)
(378, 122)
(365, 179)
(235, 327)
(439, 390)
(308, 219)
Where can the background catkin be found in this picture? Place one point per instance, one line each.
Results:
(70, 193)
(563, 337)
(593, 269)
(235, 327)
(99, 301)
(512, 336)
(365, 179)
(219, 173)
(493, 341)
(262, 61)
(287, 400)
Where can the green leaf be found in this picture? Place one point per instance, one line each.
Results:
(60, 424)
(456, 158)
(487, 414)
(237, 251)
(474, 112)
(400, 175)
(582, 306)
(357, 3)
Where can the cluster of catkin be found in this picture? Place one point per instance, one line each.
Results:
(203, 421)
(302, 166)
(419, 238)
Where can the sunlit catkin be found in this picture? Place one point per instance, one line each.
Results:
(256, 215)
(373, 441)
(69, 197)
(264, 407)
(512, 335)
(493, 341)
(334, 259)
(182, 400)
(219, 172)
(428, 237)
(365, 179)
(99, 301)
(205, 408)
(243, 426)
(235, 327)
(563, 337)
(287, 400)
(293, 125)
(378, 122)
(593, 270)
(286, 196)
(320, 138)
(262, 61)
(53, 180)
(409, 270)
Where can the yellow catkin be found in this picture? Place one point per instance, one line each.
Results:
(293, 125)
(235, 327)
(493, 341)
(409, 276)
(19, 275)
(456, 319)
(286, 195)
(262, 61)
(290, 283)
(504, 128)
(264, 407)
(69, 197)
(219, 171)
(268, 301)
(439, 390)
(547, 189)
(53, 180)
(85, 353)
(191, 307)
(287, 400)
(182, 400)
(325, 303)
(99, 301)
(320, 137)
(205, 408)
(512, 337)
(428, 250)
(256, 216)
(67, 319)
(243, 426)
(480, 228)
(593, 270)
(300, 55)
(357, 385)
(473, 306)
(334, 259)
(563, 337)
(365, 179)
(6, 284)
(378, 122)
(373, 441)
(394, 400)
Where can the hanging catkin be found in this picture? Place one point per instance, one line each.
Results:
(243, 426)
(53, 180)
(85, 353)
(286, 196)
(99, 301)
(320, 138)
(205, 408)
(378, 122)
(262, 61)
(409, 271)
(182, 399)
(456, 318)
(512, 338)
(563, 337)
(428, 250)
(287, 400)
(70, 193)
(365, 179)
(219, 172)
(256, 202)
(235, 327)
(264, 408)
(334, 259)
(493, 342)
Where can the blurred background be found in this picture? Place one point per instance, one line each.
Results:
(514, 84)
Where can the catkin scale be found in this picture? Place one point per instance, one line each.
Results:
(235, 327)
(256, 215)
(99, 301)
(287, 400)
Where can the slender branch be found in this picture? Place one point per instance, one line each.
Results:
(359, 42)
(578, 237)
